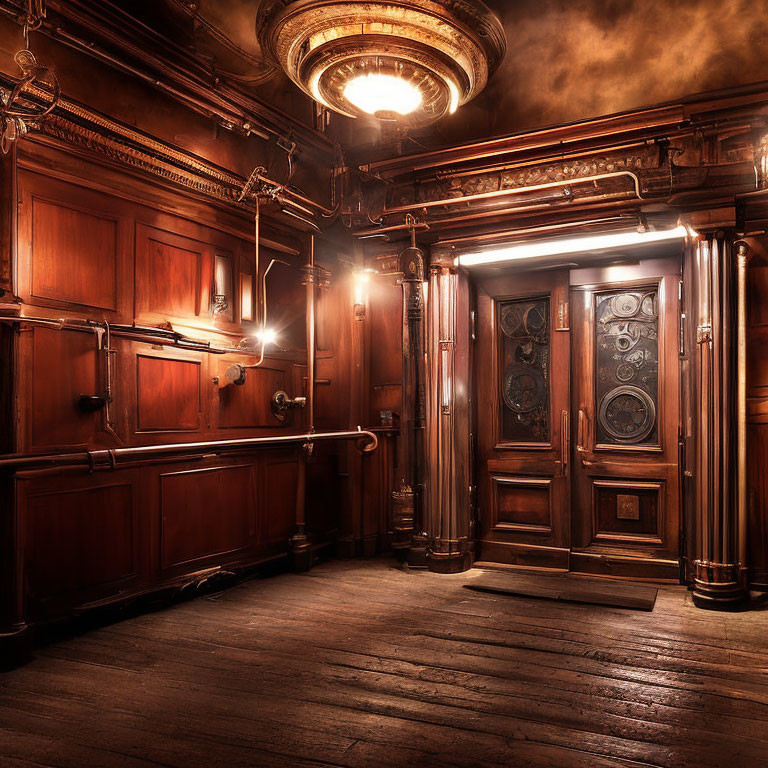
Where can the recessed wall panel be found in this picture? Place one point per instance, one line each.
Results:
(73, 256)
(167, 393)
(205, 513)
(522, 503)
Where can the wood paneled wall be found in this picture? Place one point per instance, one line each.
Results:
(757, 419)
(94, 243)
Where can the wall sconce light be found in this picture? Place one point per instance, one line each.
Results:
(362, 280)
(236, 372)
(266, 336)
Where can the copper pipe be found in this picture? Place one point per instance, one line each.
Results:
(144, 334)
(557, 157)
(742, 257)
(311, 336)
(656, 117)
(275, 189)
(493, 237)
(538, 204)
(516, 191)
(383, 231)
(112, 458)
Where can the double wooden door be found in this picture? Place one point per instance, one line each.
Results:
(577, 386)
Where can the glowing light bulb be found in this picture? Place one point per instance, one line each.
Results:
(374, 92)
(267, 336)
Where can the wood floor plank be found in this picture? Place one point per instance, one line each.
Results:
(364, 665)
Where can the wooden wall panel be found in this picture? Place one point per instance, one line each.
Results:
(386, 313)
(628, 512)
(74, 256)
(206, 513)
(522, 504)
(167, 394)
(757, 418)
(58, 367)
(279, 484)
(79, 539)
(248, 405)
(173, 274)
(92, 247)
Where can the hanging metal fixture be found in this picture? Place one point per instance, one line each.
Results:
(400, 60)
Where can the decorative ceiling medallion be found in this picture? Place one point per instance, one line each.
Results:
(413, 62)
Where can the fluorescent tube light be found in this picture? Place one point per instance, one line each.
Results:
(574, 245)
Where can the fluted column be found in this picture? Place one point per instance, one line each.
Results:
(449, 476)
(408, 498)
(719, 562)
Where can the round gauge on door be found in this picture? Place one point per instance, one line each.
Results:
(627, 414)
(524, 388)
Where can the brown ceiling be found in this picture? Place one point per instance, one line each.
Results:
(567, 60)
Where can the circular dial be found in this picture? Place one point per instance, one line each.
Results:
(627, 414)
(524, 388)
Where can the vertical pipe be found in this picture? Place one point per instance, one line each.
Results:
(300, 545)
(311, 352)
(719, 577)
(742, 256)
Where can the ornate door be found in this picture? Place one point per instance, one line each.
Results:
(625, 363)
(522, 384)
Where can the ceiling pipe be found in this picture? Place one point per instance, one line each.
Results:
(450, 201)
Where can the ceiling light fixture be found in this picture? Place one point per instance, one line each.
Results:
(397, 60)
(574, 245)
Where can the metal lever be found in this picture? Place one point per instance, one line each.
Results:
(281, 403)
(565, 438)
(580, 439)
(580, 433)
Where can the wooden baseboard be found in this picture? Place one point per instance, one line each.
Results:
(524, 555)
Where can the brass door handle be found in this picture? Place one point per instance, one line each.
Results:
(580, 433)
(565, 438)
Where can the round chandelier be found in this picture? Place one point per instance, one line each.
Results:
(413, 62)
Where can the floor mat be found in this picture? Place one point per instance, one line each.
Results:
(567, 588)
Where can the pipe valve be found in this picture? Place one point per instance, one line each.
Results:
(282, 403)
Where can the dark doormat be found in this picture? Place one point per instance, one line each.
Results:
(567, 589)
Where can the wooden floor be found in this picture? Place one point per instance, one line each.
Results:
(363, 664)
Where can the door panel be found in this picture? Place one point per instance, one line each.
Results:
(625, 519)
(522, 351)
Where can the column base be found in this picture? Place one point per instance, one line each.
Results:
(417, 552)
(449, 562)
(403, 505)
(346, 548)
(15, 648)
(301, 554)
(720, 586)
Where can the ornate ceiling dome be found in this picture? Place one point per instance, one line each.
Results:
(408, 61)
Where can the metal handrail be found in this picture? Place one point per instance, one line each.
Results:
(112, 458)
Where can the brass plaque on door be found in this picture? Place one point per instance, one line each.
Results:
(627, 507)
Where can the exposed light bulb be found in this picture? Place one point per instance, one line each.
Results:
(362, 280)
(374, 92)
(266, 336)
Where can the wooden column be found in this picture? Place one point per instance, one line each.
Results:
(448, 463)
(719, 560)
